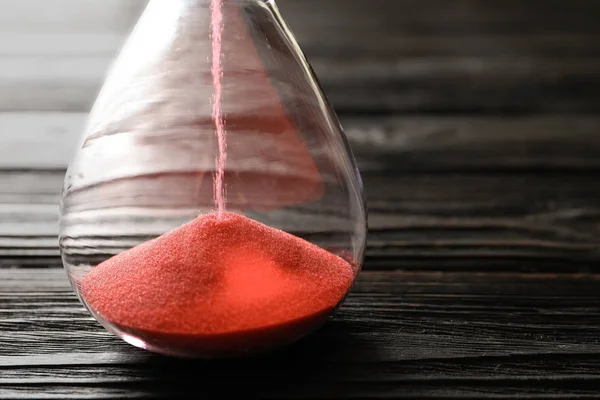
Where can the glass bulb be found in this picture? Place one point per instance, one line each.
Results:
(214, 207)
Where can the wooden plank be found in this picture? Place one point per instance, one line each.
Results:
(408, 56)
(385, 84)
(436, 55)
(404, 144)
(356, 24)
(398, 17)
(60, 45)
(402, 335)
(51, 84)
(522, 221)
(444, 193)
(39, 140)
(54, 56)
(475, 143)
(417, 221)
(69, 16)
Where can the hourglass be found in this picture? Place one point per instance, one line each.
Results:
(214, 207)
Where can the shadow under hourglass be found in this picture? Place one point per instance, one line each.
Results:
(295, 369)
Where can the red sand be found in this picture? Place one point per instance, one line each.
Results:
(218, 286)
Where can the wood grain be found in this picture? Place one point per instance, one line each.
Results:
(520, 222)
(372, 57)
(403, 335)
(407, 143)
(475, 125)
(68, 16)
(444, 193)
(435, 55)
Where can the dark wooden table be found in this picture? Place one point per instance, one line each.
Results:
(476, 127)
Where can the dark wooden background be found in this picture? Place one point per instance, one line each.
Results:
(475, 124)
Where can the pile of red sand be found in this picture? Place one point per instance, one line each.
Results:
(217, 286)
